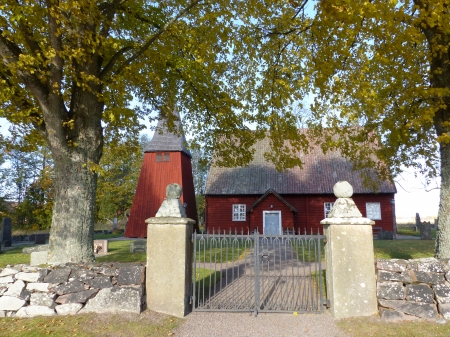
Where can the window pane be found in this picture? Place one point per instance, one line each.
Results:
(159, 157)
(166, 156)
(373, 210)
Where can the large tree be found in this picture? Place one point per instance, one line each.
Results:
(69, 68)
(380, 73)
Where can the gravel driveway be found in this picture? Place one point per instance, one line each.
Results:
(225, 324)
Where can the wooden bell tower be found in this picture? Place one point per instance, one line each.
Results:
(166, 161)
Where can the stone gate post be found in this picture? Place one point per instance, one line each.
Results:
(350, 269)
(169, 257)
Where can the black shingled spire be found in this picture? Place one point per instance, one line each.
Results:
(168, 141)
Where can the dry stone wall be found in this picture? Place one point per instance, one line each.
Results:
(70, 289)
(413, 289)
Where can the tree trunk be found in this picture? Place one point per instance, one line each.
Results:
(72, 229)
(443, 233)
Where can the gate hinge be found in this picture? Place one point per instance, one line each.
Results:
(325, 239)
(190, 299)
(326, 303)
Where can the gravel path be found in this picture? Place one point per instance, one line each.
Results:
(225, 324)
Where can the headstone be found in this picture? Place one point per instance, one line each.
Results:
(100, 246)
(385, 235)
(425, 231)
(6, 232)
(40, 239)
(138, 246)
(38, 258)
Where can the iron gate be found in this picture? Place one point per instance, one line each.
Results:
(254, 272)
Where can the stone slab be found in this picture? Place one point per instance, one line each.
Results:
(395, 316)
(9, 303)
(15, 289)
(60, 275)
(419, 293)
(396, 265)
(80, 297)
(442, 293)
(114, 300)
(428, 277)
(422, 310)
(99, 282)
(391, 290)
(82, 274)
(8, 272)
(131, 275)
(68, 309)
(42, 287)
(6, 279)
(444, 310)
(404, 276)
(43, 299)
(69, 287)
(35, 310)
(38, 258)
(430, 265)
(29, 277)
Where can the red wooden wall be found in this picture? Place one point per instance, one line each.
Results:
(310, 210)
(151, 190)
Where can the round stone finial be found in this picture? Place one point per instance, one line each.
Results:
(173, 191)
(342, 189)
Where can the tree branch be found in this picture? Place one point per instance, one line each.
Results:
(155, 36)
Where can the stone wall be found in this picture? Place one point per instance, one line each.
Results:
(413, 289)
(69, 289)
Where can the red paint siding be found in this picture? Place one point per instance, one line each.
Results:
(151, 190)
(310, 210)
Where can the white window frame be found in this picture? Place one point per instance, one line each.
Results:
(239, 212)
(370, 213)
(327, 206)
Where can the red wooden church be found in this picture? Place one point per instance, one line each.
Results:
(258, 197)
(166, 161)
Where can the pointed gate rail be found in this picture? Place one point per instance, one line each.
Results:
(258, 273)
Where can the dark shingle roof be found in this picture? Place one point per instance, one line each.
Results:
(165, 141)
(319, 174)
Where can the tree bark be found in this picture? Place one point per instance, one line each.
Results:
(72, 230)
(443, 232)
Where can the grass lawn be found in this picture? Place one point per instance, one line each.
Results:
(147, 323)
(375, 327)
(119, 251)
(223, 250)
(410, 231)
(403, 249)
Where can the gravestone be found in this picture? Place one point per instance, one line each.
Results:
(385, 235)
(6, 232)
(425, 231)
(40, 239)
(138, 246)
(100, 246)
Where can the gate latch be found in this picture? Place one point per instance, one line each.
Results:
(264, 253)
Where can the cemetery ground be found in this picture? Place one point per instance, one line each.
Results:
(150, 323)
